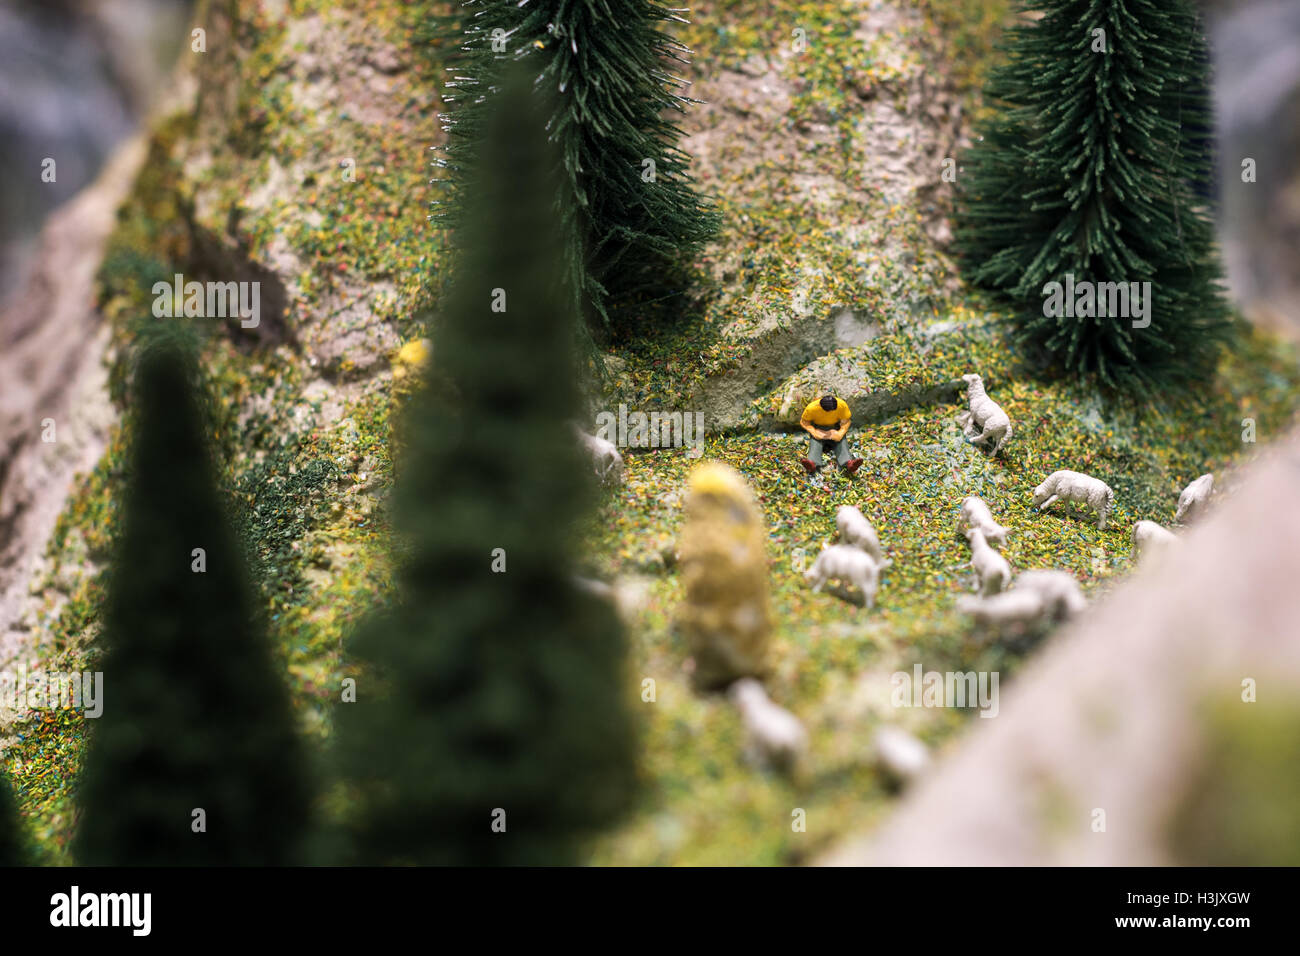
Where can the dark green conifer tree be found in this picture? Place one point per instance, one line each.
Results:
(1088, 167)
(11, 834)
(196, 715)
(630, 218)
(491, 724)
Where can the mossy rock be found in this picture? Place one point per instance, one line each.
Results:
(1238, 806)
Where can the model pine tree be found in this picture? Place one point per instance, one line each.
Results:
(196, 716)
(11, 840)
(628, 212)
(1088, 167)
(491, 724)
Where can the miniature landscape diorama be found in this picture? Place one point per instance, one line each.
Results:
(594, 432)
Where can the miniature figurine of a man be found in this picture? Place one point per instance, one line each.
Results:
(827, 421)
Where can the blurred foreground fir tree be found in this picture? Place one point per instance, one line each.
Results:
(196, 717)
(630, 219)
(11, 834)
(1089, 169)
(491, 724)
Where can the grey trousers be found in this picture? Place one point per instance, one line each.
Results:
(840, 448)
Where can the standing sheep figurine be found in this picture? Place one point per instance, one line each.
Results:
(847, 564)
(986, 421)
(856, 530)
(976, 514)
(992, 570)
(1077, 487)
(1195, 498)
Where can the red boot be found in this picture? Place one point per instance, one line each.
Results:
(808, 466)
(852, 465)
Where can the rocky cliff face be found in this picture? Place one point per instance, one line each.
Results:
(76, 78)
(55, 414)
(1256, 49)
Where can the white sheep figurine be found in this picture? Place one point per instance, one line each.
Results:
(992, 570)
(1074, 486)
(774, 736)
(900, 755)
(1195, 498)
(856, 530)
(986, 421)
(1059, 589)
(847, 564)
(1015, 611)
(1151, 538)
(605, 459)
(976, 514)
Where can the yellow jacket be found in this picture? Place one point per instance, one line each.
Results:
(818, 417)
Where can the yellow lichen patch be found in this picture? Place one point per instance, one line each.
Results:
(725, 615)
(411, 357)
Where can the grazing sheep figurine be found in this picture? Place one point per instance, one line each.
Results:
(1016, 611)
(991, 568)
(846, 563)
(1073, 486)
(975, 514)
(900, 755)
(856, 530)
(1195, 498)
(1149, 537)
(986, 415)
(1059, 589)
(605, 459)
(775, 737)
